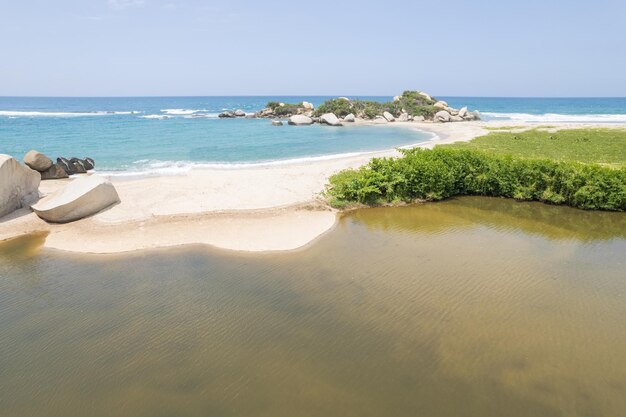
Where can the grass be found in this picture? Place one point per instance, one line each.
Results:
(600, 146)
(583, 168)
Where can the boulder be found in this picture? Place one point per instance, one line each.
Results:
(89, 163)
(239, 113)
(226, 115)
(349, 118)
(463, 112)
(396, 99)
(442, 116)
(456, 118)
(426, 96)
(389, 117)
(65, 164)
(418, 118)
(404, 117)
(476, 115)
(343, 98)
(330, 119)
(299, 120)
(380, 119)
(18, 185)
(440, 105)
(55, 172)
(277, 123)
(77, 166)
(80, 198)
(37, 161)
(307, 105)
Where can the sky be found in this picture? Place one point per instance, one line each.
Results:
(526, 48)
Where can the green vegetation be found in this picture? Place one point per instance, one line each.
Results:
(285, 109)
(602, 146)
(557, 168)
(411, 101)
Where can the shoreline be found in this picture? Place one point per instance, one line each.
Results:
(260, 208)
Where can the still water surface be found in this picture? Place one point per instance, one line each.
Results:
(471, 307)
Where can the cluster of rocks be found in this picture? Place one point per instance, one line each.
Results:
(232, 114)
(63, 167)
(82, 197)
(286, 110)
(448, 114)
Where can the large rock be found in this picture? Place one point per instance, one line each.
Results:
(426, 96)
(82, 197)
(380, 120)
(454, 118)
(463, 112)
(277, 123)
(440, 105)
(89, 163)
(389, 117)
(418, 118)
(404, 117)
(18, 185)
(226, 115)
(442, 116)
(330, 119)
(65, 164)
(307, 105)
(240, 113)
(349, 118)
(55, 172)
(37, 161)
(78, 166)
(299, 119)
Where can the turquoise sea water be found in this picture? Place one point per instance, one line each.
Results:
(163, 135)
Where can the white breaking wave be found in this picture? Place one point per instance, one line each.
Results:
(156, 116)
(181, 112)
(554, 117)
(16, 113)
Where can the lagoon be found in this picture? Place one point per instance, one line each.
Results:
(469, 307)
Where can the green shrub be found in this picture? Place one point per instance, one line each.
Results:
(441, 173)
(411, 101)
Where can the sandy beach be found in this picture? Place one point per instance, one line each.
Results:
(273, 207)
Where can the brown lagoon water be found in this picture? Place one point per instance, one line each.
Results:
(472, 307)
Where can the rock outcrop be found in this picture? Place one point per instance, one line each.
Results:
(18, 185)
(37, 161)
(350, 118)
(389, 117)
(300, 120)
(82, 197)
(55, 172)
(442, 116)
(330, 119)
(277, 123)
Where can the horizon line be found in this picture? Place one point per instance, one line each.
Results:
(302, 95)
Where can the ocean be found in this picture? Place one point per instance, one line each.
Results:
(170, 135)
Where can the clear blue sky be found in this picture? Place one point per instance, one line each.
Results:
(319, 47)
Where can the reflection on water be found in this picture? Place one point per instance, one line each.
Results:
(473, 307)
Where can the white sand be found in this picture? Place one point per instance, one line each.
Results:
(259, 208)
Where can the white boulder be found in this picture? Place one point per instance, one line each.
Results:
(463, 112)
(80, 198)
(426, 96)
(418, 118)
(380, 120)
(442, 116)
(307, 105)
(454, 118)
(18, 185)
(404, 117)
(441, 104)
(396, 99)
(330, 119)
(389, 117)
(37, 161)
(349, 118)
(300, 119)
